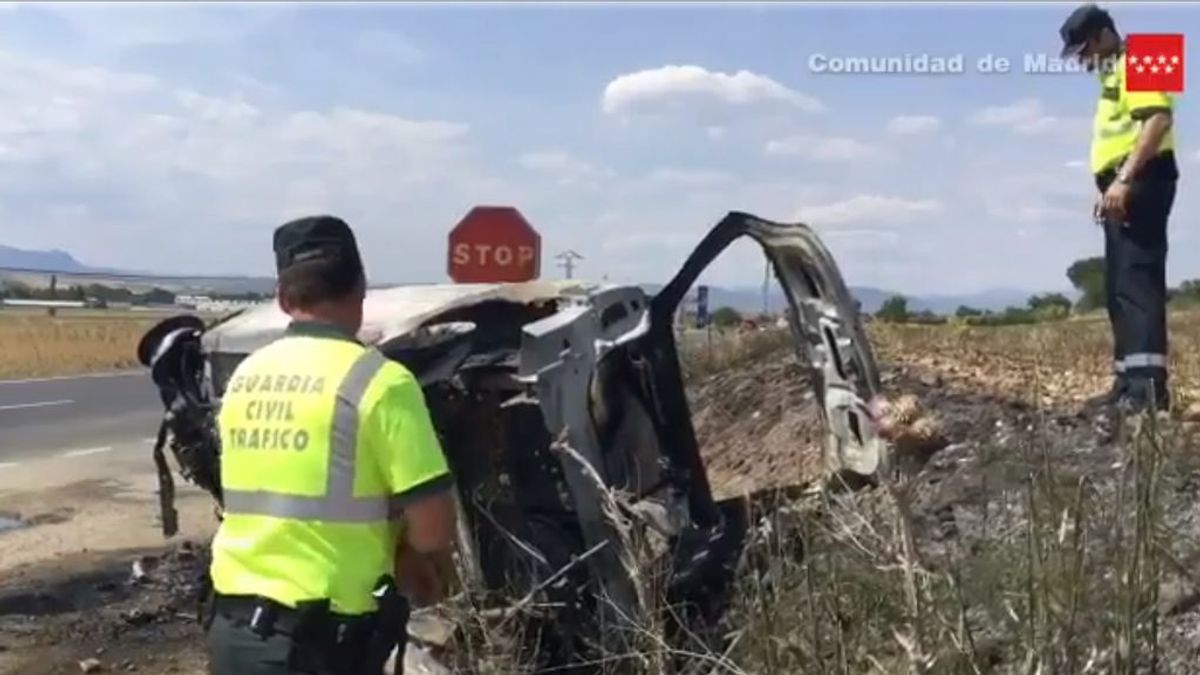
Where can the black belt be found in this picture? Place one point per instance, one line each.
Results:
(266, 616)
(321, 639)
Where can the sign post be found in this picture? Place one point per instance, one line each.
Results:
(494, 244)
(701, 306)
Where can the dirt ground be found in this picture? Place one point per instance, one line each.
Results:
(759, 427)
(67, 552)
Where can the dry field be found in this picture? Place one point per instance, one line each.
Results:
(73, 342)
(33, 345)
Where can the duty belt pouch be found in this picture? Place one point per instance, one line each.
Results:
(312, 640)
(390, 630)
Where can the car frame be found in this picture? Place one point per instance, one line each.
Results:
(584, 385)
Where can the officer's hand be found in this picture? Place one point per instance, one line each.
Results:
(1115, 199)
(425, 578)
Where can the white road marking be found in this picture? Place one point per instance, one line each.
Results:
(152, 440)
(8, 465)
(61, 378)
(40, 404)
(87, 451)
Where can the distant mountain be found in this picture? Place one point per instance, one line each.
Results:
(57, 261)
(17, 262)
(748, 299)
(996, 299)
(745, 299)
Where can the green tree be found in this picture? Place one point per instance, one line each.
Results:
(894, 309)
(1087, 275)
(156, 296)
(927, 316)
(18, 290)
(1050, 301)
(964, 311)
(1187, 293)
(724, 317)
(1013, 315)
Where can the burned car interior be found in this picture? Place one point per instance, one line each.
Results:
(514, 372)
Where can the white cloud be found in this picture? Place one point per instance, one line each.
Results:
(913, 124)
(689, 177)
(214, 109)
(1020, 112)
(715, 133)
(873, 235)
(1032, 196)
(680, 88)
(1030, 116)
(867, 208)
(641, 242)
(1076, 164)
(133, 152)
(563, 166)
(824, 148)
(556, 161)
(131, 24)
(388, 46)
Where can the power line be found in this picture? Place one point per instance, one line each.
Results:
(567, 261)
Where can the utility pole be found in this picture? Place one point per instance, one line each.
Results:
(568, 259)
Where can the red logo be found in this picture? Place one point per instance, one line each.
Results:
(1154, 62)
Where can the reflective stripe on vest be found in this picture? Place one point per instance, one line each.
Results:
(338, 504)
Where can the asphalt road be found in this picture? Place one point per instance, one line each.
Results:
(76, 416)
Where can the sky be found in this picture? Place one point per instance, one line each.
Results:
(175, 138)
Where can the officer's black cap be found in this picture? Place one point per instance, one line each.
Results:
(313, 238)
(1081, 24)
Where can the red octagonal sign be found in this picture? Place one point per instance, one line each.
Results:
(494, 244)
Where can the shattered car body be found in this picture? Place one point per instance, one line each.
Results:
(549, 398)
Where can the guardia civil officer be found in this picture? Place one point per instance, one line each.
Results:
(329, 464)
(1133, 161)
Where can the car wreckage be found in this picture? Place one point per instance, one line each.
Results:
(551, 397)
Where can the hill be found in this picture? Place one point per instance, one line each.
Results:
(54, 260)
(745, 299)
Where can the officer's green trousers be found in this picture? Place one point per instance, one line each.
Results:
(234, 649)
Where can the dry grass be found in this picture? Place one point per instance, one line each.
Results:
(1036, 543)
(44, 346)
(1067, 553)
(720, 351)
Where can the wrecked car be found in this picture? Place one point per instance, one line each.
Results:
(550, 397)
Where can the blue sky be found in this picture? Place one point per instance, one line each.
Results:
(174, 138)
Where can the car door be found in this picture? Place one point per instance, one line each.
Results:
(825, 323)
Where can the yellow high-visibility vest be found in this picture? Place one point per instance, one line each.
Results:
(1119, 117)
(323, 441)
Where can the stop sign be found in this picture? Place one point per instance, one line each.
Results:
(494, 244)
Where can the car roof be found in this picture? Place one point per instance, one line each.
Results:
(388, 313)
